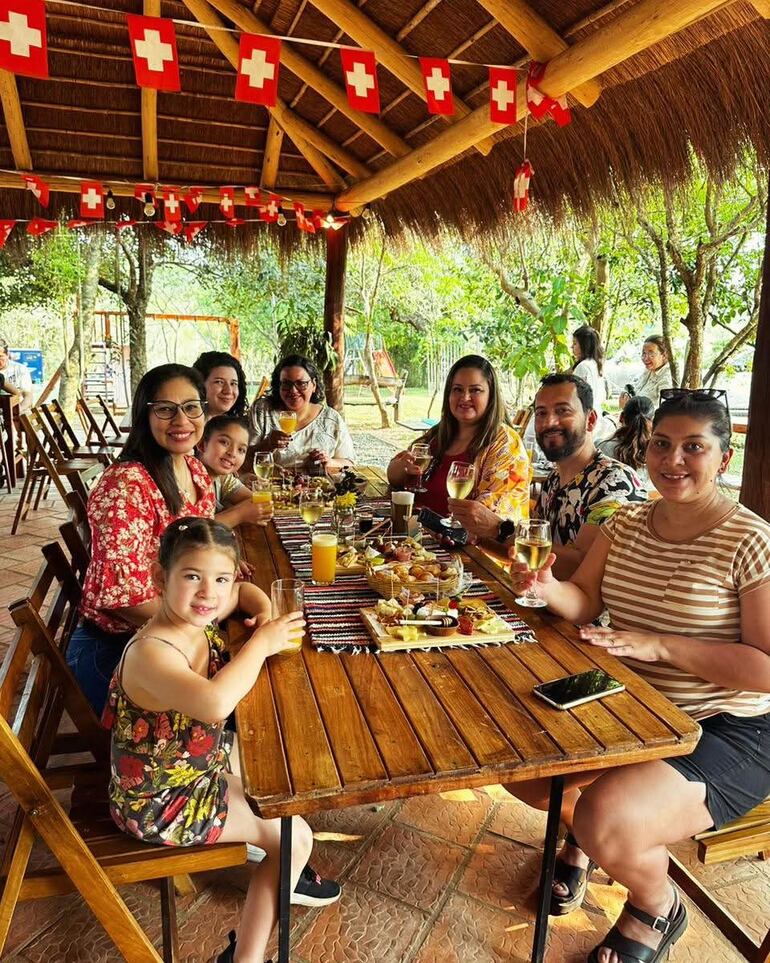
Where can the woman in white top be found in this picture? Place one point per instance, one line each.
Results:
(589, 365)
(321, 436)
(657, 373)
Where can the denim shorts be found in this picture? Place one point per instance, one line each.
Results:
(732, 759)
(93, 655)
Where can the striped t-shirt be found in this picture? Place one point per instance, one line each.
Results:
(692, 589)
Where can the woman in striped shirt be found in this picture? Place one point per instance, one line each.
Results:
(686, 581)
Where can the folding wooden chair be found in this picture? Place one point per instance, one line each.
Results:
(93, 856)
(67, 440)
(94, 431)
(109, 420)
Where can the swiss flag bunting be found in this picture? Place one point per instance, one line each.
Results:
(170, 227)
(258, 67)
(437, 77)
(193, 229)
(23, 41)
(193, 199)
(235, 222)
(541, 104)
(522, 177)
(227, 201)
(76, 222)
(502, 95)
(172, 204)
(38, 187)
(271, 210)
(359, 67)
(91, 199)
(122, 225)
(38, 226)
(303, 223)
(142, 190)
(253, 196)
(153, 45)
(5, 231)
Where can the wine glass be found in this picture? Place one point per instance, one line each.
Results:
(422, 457)
(263, 466)
(459, 484)
(311, 508)
(287, 422)
(533, 546)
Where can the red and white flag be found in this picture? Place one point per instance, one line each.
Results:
(122, 225)
(271, 210)
(303, 223)
(227, 201)
(359, 68)
(76, 222)
(437, 76)
(5, 231)
(23, 42)
(502, 95)
(258, 66)
(38, 187)
(142, 191)
(193, 199)
(541, 104)
(38, 226)
(170, 227)
(91, 199)
(522, 177)
(235, 222)
(192, 229)
(253, 196)
(153, 45)
(172, 204)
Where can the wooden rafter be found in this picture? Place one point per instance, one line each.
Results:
(313, 143)
(308, 72)
(762, 7)
(417, 19)
(390, 54)
(14, 121)
(271, 160)
(537, 37)
(636, 29)
(150, 114)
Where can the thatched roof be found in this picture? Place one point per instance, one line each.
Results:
(704, 89)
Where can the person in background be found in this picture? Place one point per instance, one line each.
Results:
(584, 489)
(629, 443)
(473, 428)
(657, 373)
(15, 378)
(320, 438)
(627, 392)
(225, 383)
(589, 365)
(686, 583)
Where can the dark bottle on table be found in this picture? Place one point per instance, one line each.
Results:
(365, 521)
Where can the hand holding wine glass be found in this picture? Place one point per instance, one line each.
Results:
(532, 549)
(263, 465)
(422, 458)
(459, 484)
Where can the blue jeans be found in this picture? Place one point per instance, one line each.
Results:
(93, 654)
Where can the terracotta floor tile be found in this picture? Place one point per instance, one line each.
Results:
(203, 931)
(26, 554)
(364, 927)
(744, 899)
(717, 874)
(503, 874)
(31, 920)
(518, 821)
(458, 822)
(360, 821)
(409, 866)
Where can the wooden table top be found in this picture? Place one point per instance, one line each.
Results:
(324, 731)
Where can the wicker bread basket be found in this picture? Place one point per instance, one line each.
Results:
(388, 585)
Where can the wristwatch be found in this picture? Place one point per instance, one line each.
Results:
(505, 529)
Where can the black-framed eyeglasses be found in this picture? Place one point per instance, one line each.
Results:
(696, 394)
(299, 385)
(167, 410)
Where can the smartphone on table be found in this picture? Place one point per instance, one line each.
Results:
(574, 690)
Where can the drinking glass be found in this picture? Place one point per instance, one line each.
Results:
(263, 465)
(422, 457)
(459, 484)
(287, 422)
(533, 546)
(287, 595)
(261, 493)
(311, 508)
(324, 557)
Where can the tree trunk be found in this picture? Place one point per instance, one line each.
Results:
(601, 286)
(334, 313)
(694, 322)
(137, 339)
(75, 360)
(371, 370)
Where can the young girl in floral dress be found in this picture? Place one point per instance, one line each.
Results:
(175, 773)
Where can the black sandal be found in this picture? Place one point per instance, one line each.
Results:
(574, 878)
(631, 951)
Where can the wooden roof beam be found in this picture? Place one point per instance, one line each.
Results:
(762, 7)
(639, 27)
(537, 37)
(313, 143)
(272, 159)
(14, 121)
(310, 74)
(390, 54)
(150, 114)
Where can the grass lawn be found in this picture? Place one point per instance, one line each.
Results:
(414, 407)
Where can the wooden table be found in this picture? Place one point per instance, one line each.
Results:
(9, 408)
(323, 731)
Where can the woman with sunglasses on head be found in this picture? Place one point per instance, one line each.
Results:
(686, 582)
(319, 435)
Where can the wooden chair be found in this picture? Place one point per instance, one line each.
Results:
(747, 836)
(94, 431)
(109, 419)
(67, 440)
(521, 419)
(93, 856)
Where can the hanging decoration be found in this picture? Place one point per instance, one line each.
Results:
(5, 231)
(91, 200)
(227, 201)
(253, 196)
(271, 210)
(193, 228)
(436, 74)
(38, 226)
(259, 62)
(153, 46)
(193, 199)
(303, 223)
(172, 204)
(122, 225)
(144, 191)
(502, 95)
(522, 177)
(359, 67)
(540, 104)
(38, 187)
(169, 227)
(235, 221)
(23, 41)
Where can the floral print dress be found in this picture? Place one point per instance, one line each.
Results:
(168, 785)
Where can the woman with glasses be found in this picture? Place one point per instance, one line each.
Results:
(686, 582)
(156, 479)
(318, 436)
(657, 373)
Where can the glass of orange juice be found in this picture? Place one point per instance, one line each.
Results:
(287, 422)
(287, 595)
(261, 494)
(324, 557)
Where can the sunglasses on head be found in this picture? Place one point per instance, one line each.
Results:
(696, 394)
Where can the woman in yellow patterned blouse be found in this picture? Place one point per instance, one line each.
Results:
(473, 428)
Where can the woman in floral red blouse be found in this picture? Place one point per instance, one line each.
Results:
(155, 480)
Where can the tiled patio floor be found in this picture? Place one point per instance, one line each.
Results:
(430, 880)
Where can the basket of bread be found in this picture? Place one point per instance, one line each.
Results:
(419, 576)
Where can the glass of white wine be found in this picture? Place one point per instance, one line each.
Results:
(533, 546)
(311, 508)
(263, 466)
(459, 484)
(422, 457)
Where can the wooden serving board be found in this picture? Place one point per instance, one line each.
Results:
(386, 643)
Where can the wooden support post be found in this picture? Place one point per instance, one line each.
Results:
(334, 312)
(755, 488)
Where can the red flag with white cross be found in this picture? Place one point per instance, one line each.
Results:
(172, 204)
(193, 199)
(141, 191)
(541, 104)
(359, 68)
(23, 40)
(37, 186)
(227, 201)
(153, 45)
(271, 210)
(502, 95)
(5, 231)
(258, 66)
(91, 199)
(193, 228)
(304, 223)
(437, 76)
(253, 196)
(39, 226)
(173, 228)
